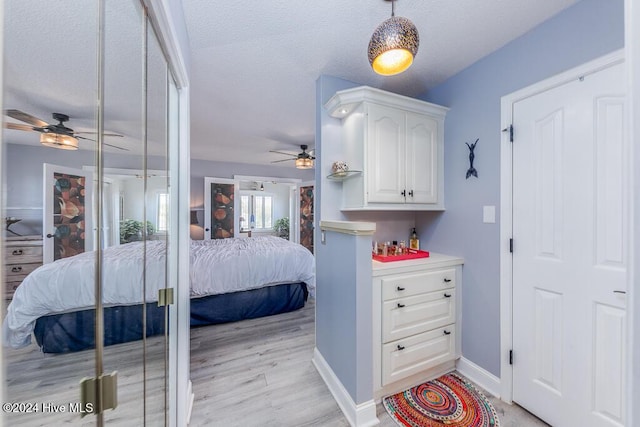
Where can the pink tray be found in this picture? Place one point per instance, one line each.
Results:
(413, 254)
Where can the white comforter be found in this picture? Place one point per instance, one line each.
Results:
(217, 267)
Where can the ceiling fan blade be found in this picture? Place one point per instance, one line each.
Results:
(95, 133)
(282, 152)
(104, 143)
(115, 146)
(18, 126)
(27, 118)
(285, 160)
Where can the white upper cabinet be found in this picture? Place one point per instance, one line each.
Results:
(398, 144)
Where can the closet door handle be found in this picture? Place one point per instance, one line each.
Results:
(400, 288)
(446, 280)
(447, 295)
(400, 347)
(400, 305)
(17, 252)
(447, 332)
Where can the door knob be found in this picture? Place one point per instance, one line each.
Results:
(447, 280)
(50, 235)
(400, 305)
(400, 288)
(447, 295)
(447, 332)
(411, 193)
(206, 229)
(400, 347)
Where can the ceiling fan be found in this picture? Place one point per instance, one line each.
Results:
(303, 159)
(53, 135)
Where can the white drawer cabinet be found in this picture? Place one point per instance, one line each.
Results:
(21, 255)
(416, 320)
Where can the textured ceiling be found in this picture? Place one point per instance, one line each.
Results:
(254, 63)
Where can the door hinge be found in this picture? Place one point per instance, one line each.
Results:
(510, 130)
(511, 245)
(510, 357)
(165, 297)
(98, 395)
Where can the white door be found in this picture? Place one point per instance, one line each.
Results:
(386, 155)
(422, 159)
(67, 224)
(571, 252)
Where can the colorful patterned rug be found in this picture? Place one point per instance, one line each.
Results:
(450, 401)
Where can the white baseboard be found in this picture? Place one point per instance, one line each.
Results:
(480, 376)
(362, 415)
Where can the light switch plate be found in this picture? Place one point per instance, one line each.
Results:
(489, 214)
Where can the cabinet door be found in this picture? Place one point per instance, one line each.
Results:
(385, 155)
(421, 159)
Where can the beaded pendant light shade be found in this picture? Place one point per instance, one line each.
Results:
(393, 45)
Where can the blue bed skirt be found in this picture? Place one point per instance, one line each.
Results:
(67, 332)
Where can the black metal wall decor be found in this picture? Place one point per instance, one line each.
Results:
(472, 170)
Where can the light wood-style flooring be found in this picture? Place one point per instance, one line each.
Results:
(252, 373)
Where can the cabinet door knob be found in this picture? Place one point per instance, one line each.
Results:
(400, 305)
(17, 252)
(206, 229)
(411, 193)
(446, 280)
(16, 269)
(400, 347)
(49, 235)
(400, 288)
(447, 295)
(447, 332)
(404, 193)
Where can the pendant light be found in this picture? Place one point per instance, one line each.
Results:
(393, 45)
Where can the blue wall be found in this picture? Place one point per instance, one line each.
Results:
(583, 32)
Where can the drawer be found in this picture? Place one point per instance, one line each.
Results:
(408, 316)
(22, 254)
(10, 288)
(17, 272)
(412, 284)
(417, 353)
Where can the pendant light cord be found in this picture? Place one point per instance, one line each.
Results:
(393, 8)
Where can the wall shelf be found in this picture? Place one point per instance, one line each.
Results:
(341, 176)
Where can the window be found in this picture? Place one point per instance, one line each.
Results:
(256, 211)
(163, 211)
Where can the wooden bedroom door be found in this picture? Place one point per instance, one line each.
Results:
(67, 212)
(570, 231)
(221, 218)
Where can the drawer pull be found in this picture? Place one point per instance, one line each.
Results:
(400, 288)
(447, 295)
(400, 347)
(446, 280)
(400, 305)
(16, 269)
(447, 332)
(17, 252)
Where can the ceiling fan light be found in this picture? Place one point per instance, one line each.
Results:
(393, 46)
(56, 140)
(304, 163)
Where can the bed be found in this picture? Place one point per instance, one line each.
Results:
(230, 280)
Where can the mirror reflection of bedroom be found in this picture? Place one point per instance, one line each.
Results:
(90, 213)
(102, 300)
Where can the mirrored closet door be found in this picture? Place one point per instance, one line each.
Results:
(89, 249)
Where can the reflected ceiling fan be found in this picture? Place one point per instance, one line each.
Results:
(56, 135)
(303, 159)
